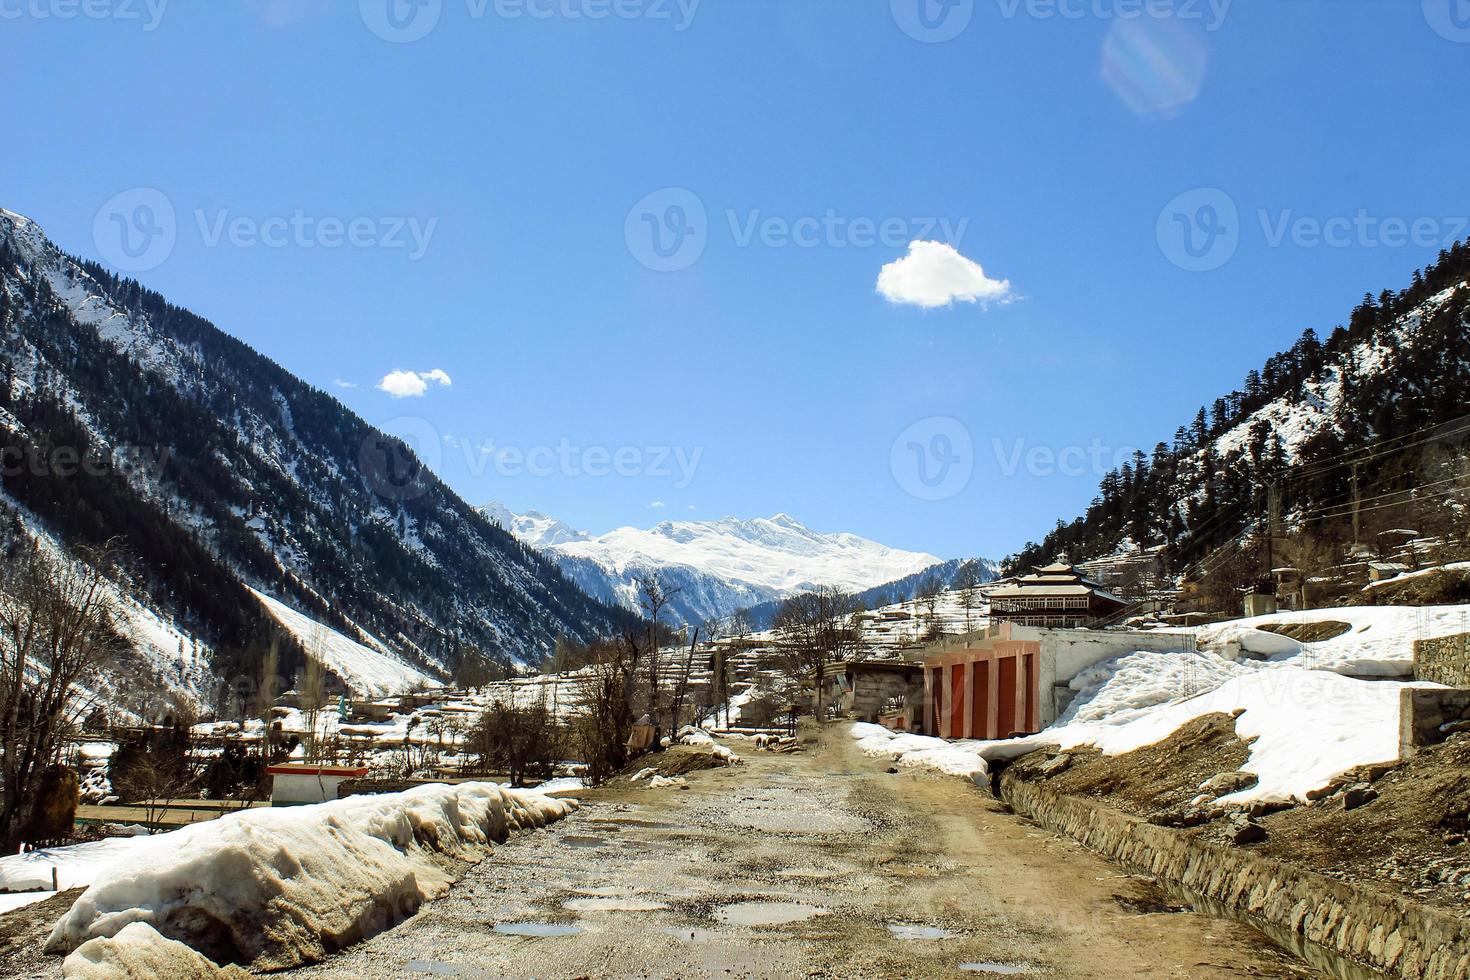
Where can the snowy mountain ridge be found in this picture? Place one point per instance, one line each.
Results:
(220, 470)
(1385, 390)
(720, 565)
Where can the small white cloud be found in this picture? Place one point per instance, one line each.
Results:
(656, 504)
(934, 274)
(691, 506)
(344, 384)
(411, 384)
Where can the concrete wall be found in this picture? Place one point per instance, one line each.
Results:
(1385, 931)
(1059, 655)
(1066, 653)
(872, 688)
(1444, 660)
(1423, 715)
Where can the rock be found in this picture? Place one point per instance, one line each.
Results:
(1229, 782)
(1243, 830)
(1185, 816)
(1455, 727)
(1322, 792)
(1264, 808)
(1359, 795)
(1054, 766)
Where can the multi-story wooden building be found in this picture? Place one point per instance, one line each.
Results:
(1056, 596)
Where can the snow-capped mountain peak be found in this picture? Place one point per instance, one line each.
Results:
(720, 565)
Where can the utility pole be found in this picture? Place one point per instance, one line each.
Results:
(1356, 522)
(1273, 519)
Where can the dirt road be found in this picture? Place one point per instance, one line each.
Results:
(814, 864)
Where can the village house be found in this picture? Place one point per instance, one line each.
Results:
(295, 783)
(861, 689)
(1011, 679)
(1056, 596)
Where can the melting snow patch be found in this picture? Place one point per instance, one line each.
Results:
(278, 887)
(139, 951)
(921, 751)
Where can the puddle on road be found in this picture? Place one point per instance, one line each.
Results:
(579, 840)
(909, 930)
(1005, 968)
(536, 929)
(612, 905)
(767, 913)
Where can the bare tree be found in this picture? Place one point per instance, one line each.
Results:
(57, 630)
(270, 668)
(654, 598)
(816, 628)
(522, 741)
(681, 687)
(313, 692)
(967, 581)
(742, 623)
(606, 711)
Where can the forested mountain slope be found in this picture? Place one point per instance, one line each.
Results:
(126, 416)
(1372, 419)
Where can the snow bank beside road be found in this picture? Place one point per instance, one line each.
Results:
(139, 951)
(921, 751)
(1379, 644)
(283, 886)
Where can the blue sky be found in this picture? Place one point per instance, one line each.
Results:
(500, 177)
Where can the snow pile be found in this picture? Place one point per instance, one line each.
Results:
(76, 865)
(368, 672)
(139, 951)
(1304, 727)
(667, 782)
(1380, 642)
(689, 735)
(278, 887)
(1118, 690)
(921, 751)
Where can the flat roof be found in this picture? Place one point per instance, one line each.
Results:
(306, 769)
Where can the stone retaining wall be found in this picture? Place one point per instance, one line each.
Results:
(1385, 931)
(1429, 716)
(1444, 660)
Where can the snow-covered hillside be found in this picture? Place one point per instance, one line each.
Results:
(218, 469)
(720, 565)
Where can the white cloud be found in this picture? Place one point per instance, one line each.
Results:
(411, 384)
(344, 384)
(656, 504)
(934, 274)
